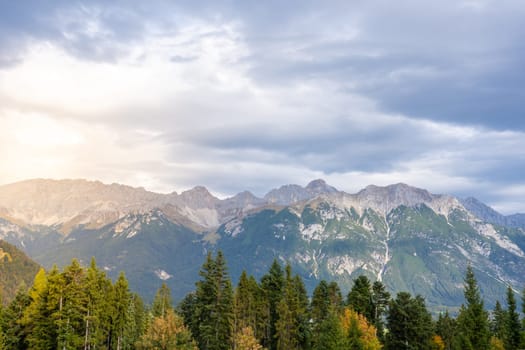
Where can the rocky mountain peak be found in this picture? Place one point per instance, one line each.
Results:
(386, 198)
(199, 197)
(319, 186)
(289, 194)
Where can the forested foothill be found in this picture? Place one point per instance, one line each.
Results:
(81, 308)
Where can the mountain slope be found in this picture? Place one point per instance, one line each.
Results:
(409, 238)
(16, 270)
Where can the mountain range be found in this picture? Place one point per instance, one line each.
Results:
(410, 239)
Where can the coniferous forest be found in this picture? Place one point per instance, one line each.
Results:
(81, 308)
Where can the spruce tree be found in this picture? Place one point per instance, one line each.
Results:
(329, 334)
(409, 323)
(136, 321)
(120, 316)
(249, 307)
(320, 307)
(187, 308)
(214, 305)
(73, 307)
(13, 332)
(287, 327)
(324, 312)
(292, 327)
(360, 297)
(98, 312)
(380, 299)
(162, 301)
(272, 285)
(473, 320)
(446, 328)
(512, 323)
(497, 325)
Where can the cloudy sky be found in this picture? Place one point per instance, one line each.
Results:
(251, 95)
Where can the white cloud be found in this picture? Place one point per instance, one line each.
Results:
(190, 104)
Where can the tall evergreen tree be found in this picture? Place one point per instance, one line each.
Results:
(272, 285)
(329, 334)
(360, 297)
(497, 324)
(320, 307)
(136, 325)
(14, 335)
(380, 300)
(73, 308)
(473, 320)
(324, 311)
(120, 316)
(512, 323)
(98, 311)
(409, 323)
(187, 308)
(162, 301)
(249, 307)
(446, 328)
(214, 305)
(287, 327)
(291, 326)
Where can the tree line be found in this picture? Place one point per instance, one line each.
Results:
(81, 308)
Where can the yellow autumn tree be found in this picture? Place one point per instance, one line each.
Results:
(437, 343)
(496, 344)
(167, 332)
(245, 340)
(367, 333)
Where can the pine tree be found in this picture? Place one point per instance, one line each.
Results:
(287, 327)
(292, 329)
(329, 334)
(512, 323)
(187, 308)
(335, 296)
(162, 301)
(522, 341)
(272, 285)
(320, 308)
(380, 299)
(446, 328)
(98, 311)
(360, 297)
(324, 311)
(497, 326)
(473, 321)
(135, 326)
(70, 297)
(409, 323)
(249, 307)
(214, 305)
(121, 301)
(14, 335)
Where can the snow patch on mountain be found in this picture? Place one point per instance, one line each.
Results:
(163, 275)
(488, 230)
(342, 264)
(313, 232)
(233, 227)
(206, 217)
